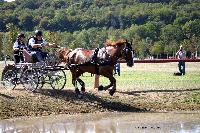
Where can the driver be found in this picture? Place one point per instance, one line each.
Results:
(36, 44)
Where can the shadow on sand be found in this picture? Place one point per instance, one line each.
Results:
(149, 91)
(109, 103)
(6, 96)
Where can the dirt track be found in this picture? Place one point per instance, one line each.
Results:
(19, 103)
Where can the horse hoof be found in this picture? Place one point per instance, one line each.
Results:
(83, 89)
(100, 88)
(77, 91)
(111, 92)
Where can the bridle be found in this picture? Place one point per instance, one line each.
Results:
(127, 49)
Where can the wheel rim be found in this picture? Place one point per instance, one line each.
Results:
(30, 80)
(10, 79)
(41, 82)
(58, 80)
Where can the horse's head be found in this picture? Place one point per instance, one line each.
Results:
(127, 53)
(123, 50)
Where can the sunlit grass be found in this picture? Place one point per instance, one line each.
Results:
(147, 76)
(137, 78)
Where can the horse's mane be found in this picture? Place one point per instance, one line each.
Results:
(115, 43)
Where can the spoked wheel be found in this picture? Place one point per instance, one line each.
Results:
(41, 82)
(30, 79)
(58, 79)
(9, 79)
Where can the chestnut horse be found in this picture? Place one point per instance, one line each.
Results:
(99, 61)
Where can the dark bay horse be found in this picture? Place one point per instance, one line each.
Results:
(98, 61)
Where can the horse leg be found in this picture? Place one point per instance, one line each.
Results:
(101, 88)
(74, 82)
(112, 91)
(78, 74)
(82, 84)
(112, 83)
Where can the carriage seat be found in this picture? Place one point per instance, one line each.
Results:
(27, 57)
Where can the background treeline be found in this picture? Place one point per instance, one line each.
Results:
(157, 27)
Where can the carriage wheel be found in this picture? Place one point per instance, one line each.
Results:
(9, 79)
(58, 79)
(41, 81)
(30, 79)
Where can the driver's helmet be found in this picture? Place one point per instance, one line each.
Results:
(38, 33)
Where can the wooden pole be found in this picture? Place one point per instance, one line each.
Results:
(96, 81)
(96, 77)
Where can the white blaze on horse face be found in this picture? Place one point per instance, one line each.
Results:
(133, 57)
(132, 54)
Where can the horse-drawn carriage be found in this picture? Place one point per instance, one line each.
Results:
(34, 75)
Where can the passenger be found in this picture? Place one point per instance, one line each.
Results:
(18, 47)
(36, 43)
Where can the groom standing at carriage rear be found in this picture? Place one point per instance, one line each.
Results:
(35, 44)
(18, 47)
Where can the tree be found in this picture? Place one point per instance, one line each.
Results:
(142, 48)
(171, 32)
(26, 22)
(173, 45)
(192, 28)
(60, 22)
(66, 39)
(167, 50)
(57, 4)
(157, 49)
(165, 15)
(82, 39)
(10, 38)
(181, 20)
(53, 37)
(1, 44)
(86, 23)
(30, 4)
(195, 45)
(43, 24)
(2, 26)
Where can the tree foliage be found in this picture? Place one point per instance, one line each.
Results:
(155, 26)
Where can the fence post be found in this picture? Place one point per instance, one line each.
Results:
(96, 81)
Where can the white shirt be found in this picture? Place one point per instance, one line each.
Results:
(16, 46)
(181, 54)
(32, 42)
